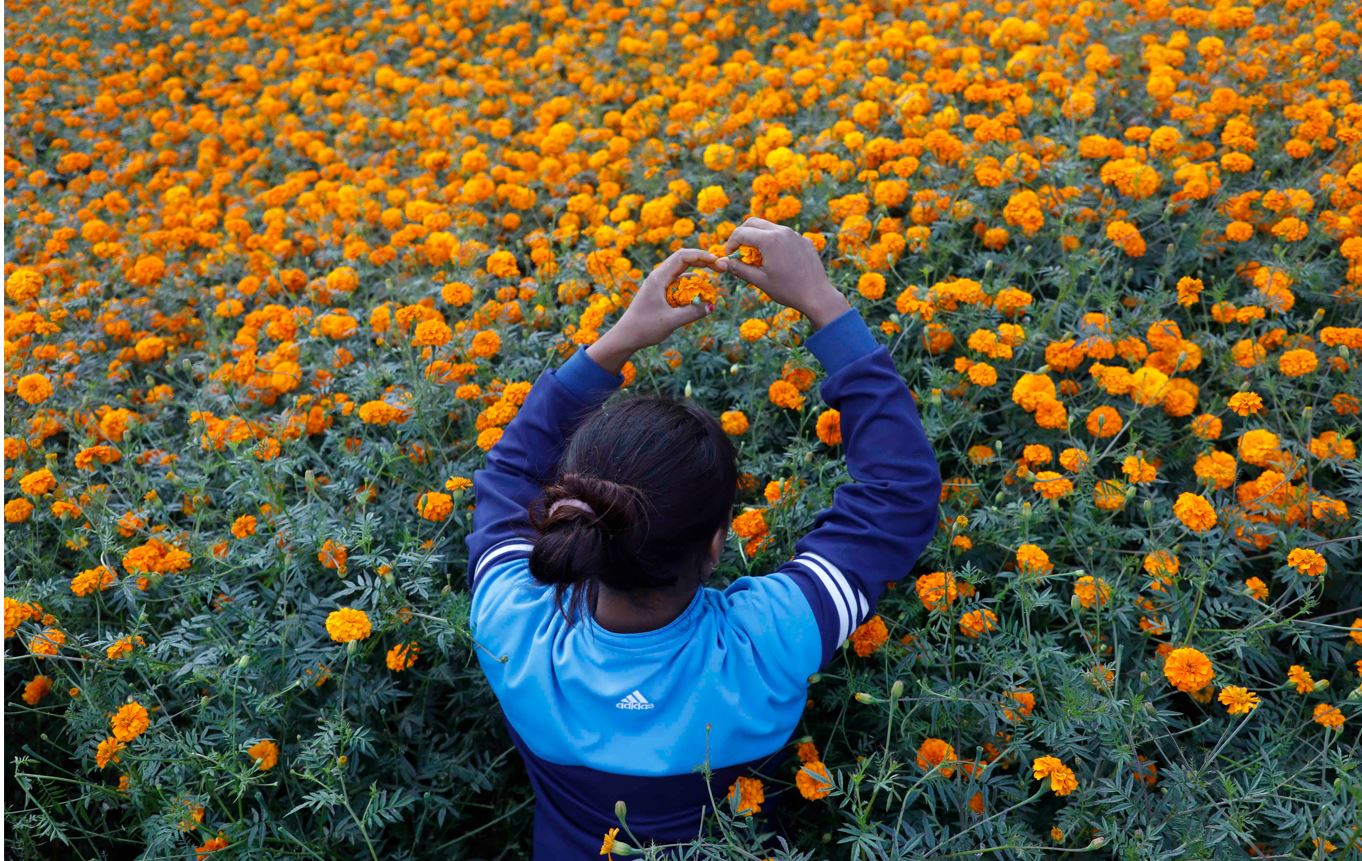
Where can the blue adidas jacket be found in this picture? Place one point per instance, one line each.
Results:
(600, 716)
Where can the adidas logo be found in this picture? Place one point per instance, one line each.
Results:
(634, 701)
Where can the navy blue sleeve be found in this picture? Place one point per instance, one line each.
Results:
(526, 456)
(882, 520)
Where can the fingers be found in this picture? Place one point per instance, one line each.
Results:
(754, 221)
(668, 270)
(688, 314)
(751, 274)
(757, 237)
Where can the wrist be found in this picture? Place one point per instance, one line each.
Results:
(611, 351)
(828, 306)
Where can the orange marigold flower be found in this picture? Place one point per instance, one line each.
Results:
(1032, 559)
(1062, 779)
(829, 427)
(435, 506)
(976, 623)
(108, 751)
(1257, 588)
(1026, 702)
(17, 613)
(1297, 363)
(1328, 716)
(1301, 678)
(813, 780)
(734, 422)
(38, 482)
(1092, 591)
(244, 526)
(1246, 403)
(1187, 669)
(1104, 421)
(786, 395)
(37, 688)
(90, 580)
(402, 656)
(485, 344)
(334, 556)
(869, 636)
(33, 388)
(1194, 512)
(211, 845)
(1052, 485)
(348, 624)
(935, 752)
(46, 643)
(1307, 562)
(265, 753)
(750, 524)
(747, 795)
(936, 590)
(1238, 700)
(130, 721)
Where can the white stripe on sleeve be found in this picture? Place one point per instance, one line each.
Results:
(839, 598)
(496, 551)
(860, 608)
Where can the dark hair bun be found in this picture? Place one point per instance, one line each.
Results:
(660, 477)
(574, 544)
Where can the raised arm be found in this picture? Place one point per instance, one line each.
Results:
(525, 457)
(882, 520)
(527, 454)
(879, 523)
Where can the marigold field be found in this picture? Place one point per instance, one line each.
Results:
(276, 276)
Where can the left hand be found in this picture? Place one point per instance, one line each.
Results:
(650, 319)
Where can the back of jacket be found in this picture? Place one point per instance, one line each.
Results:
(601, 717)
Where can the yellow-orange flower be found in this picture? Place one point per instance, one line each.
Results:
(1307, 561)
(935, 752)
(784, 394)
(733, 422)
(33, 388)
(402, 656)
(1187, 669)
(747, 795)
(813, 780)
(1194, 512)
(265, 753)
(1238, 700)
(1328, 716)
(348, 624)
(435, 506)
(1062, 779)
(976, 623)
(130, 721)
(869, 636)
(108, 751)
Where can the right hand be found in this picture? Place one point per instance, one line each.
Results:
(790, 270)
